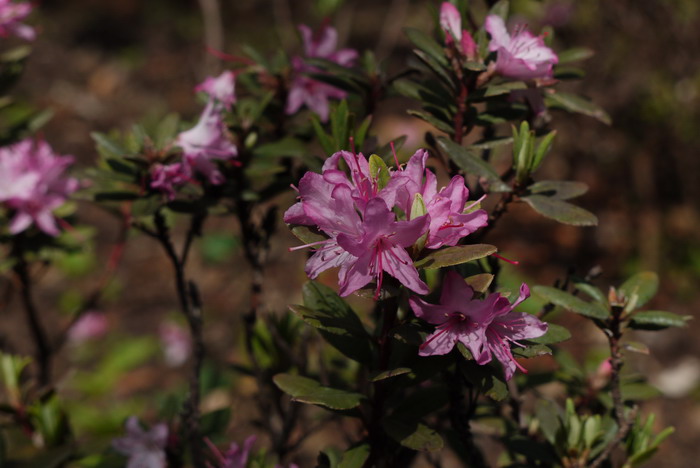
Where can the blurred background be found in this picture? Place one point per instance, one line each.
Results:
(103, 64)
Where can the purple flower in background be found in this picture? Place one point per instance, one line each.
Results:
(307, 91)
(221, 88)
(451, 24)
(205, 142)
(521, 56)
(90, 326)
(235, 456)
(448, 222)
(485, 327)
(145, 449)
(11, 16)
(166, 177)
(33, 184)
(177, 344)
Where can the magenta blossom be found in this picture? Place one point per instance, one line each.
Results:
(485, 327)
(145, 449)
(166, 177)
(235, 456)
(91, 326)
(448, 222)
(177, 344)
(222, 88)
(33, 184)
(521, 56)
(11, 16)
(206, 142)
(451, 24)
(308, 91)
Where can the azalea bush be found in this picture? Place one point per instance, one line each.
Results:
(414, 338)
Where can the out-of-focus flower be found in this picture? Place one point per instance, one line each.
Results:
(235, 457)
(206, 142)
(308, 91)
(145, 449)
(33, 184)
(221, 88)
(485, 327)
(448, 222)
(11, 16)
(520, 56)
(90, 326)
(177, 344)
(166, 177)
(451, 24)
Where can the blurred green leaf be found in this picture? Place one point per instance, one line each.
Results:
(414, 435)
(639, 289)
(560, 210)
(559, 189)
(472, 164)
(572, 303)
(427, 44)
(455, 255)
(555, 334)
(577, 104)
(657, 320)
(354, 457)
(575, 54)
(377, 376)
(310, 391)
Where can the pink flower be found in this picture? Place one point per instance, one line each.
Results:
(235, 456)
(521, 56)
(448, 222)
(145, 449)
(11, 16)
(485, 327)
(32, 184)
(177, 344)
(205, 142)
(307, 91)
(222, 88)
(166, 177)
(451, 24)
(92, 325)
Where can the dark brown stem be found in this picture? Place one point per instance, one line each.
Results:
(41, 342)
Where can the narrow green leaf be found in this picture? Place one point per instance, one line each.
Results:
(108, 146)
(414, 435)
(427, 44)
(324, 139)
(455, 256)
(531, 351)
(639, 289)
(288, 146)
(435, 66)
(542, 149)
(592, 292)
(361, 132)
(504, 88)
(379, 171)
(472, 164)
(639, 391)
(339, 125)
(376, 377)
(555, 334)
(559, 189)
(657, 320)
(572, 303)
(307, 235)
(560, 210)
(501, 8)
(432, 120)
(354, 457)
(481, 282)
(166, 130)
(310, 391)
(575, 55)
(577, 104)
(490, 144)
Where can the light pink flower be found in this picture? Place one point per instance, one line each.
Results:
(206, 142)
(448, 222)
(166, 178)
(91, 326)
(451, 24)
(485, 327)
(33, 184)
(306, 90)
(145, 449)
(11, 16)
(177, 344)
(221, 88)
(521, 56)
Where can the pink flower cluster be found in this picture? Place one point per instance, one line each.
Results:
(308, 91)
(365, 237)
(33, 184)
(11, 16)
(451, 24)
(144, 448)
(486, 328)
(204, 143)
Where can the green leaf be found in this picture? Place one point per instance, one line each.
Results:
(108, 146)
(379, 171)
(435, 66)
(555, 334)
(501, 9)
(575, 55)
(339, 125)
(531, 351)
(542, 149)
(639, 289)
(481, 282)
(310, 391)
(592, 292)
(472, 164)
(361, 132)
(376, 377)
(572, 303)
(455, 256)
(432, 120)
(288, 146)
(638, 391)
(323, 138)
(504, 88)
(414, 435)
(490, 144)
(307, 235)
(118, 165)
(657, 320)
(354, 457)
(560, 210)
(577, 104)
(485, 380)
(166, 130)
(427, 44)
(559, 189)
